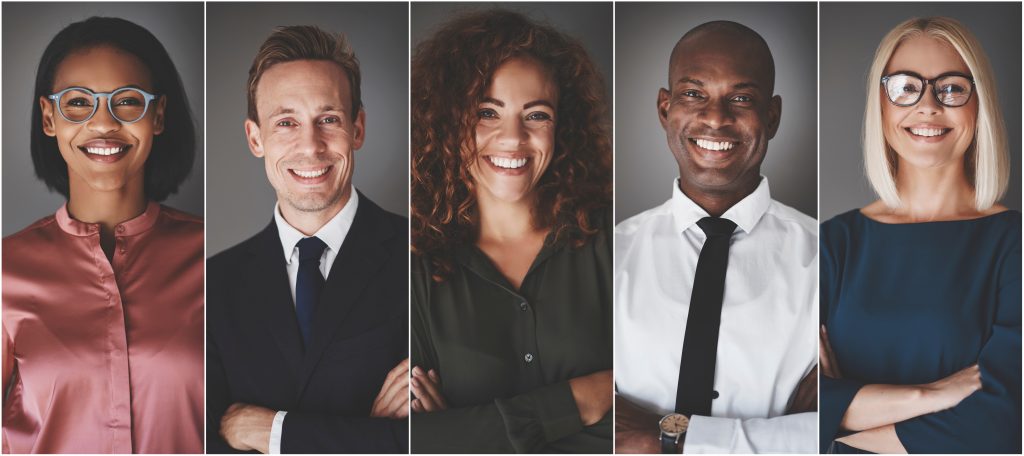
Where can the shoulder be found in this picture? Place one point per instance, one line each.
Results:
(397, 224)
(633, 226)
(796, 223)
(37, 231)
(230, 258)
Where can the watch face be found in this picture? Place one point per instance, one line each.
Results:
(674, 423)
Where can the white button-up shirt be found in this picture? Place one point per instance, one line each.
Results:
(767, 340)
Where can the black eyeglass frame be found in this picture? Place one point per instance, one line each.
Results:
(926, 83)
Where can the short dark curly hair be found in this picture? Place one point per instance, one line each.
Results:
(174, 150)
(451, 72)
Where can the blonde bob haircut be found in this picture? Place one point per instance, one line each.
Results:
(986, 162)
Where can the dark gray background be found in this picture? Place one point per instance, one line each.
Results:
(27, 30)
(239, 197)
(850, 33)
(590, 23)
(645, 35)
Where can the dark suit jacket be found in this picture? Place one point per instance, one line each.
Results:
(360, 332)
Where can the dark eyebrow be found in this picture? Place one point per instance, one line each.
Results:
(490, 100)
(687, 79)
(746, 85)
(539, 103)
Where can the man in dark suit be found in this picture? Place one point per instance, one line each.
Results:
(307, 321)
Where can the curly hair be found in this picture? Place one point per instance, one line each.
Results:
(451, 72)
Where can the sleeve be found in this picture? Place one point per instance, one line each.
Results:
(308, 433)
(218, 398)
(276, 428)
(835, 395)
(520, 424)
(988, 421)
(783, 434)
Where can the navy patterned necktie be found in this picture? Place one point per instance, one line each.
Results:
(700, 343)
(308, 285)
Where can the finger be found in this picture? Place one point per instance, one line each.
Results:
(402, 369)
(398, 403)
(424, 398)
(432, 389)
(396, 388)
(416, 406)
(433, 376)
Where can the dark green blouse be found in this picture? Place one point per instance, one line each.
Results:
(505, 356)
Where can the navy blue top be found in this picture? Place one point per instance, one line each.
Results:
(914, 303)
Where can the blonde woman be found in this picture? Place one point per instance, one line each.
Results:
(921, 290)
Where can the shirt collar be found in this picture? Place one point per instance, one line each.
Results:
(131, 227)
(332, 233)
(746, 213)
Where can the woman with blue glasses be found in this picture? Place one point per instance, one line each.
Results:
(103, 301)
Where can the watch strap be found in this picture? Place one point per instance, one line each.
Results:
(668, 444)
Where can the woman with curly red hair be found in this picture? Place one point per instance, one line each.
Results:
(511, 222)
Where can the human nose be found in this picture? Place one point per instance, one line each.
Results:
(102, 120)
(310, 141)
(928, 104)
(512, 133)
(717, 114)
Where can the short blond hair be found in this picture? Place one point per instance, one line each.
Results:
(304, 42)
(986, 161)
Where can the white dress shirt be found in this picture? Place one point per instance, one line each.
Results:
(767, 340)
(333, 234)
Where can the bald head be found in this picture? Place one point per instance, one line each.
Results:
(730, 39)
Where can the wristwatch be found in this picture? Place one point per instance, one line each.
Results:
(673, 426)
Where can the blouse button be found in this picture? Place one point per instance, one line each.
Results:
(528, 357)
(523, 306)
(120, 228)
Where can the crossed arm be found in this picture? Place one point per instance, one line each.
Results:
(876, 408)
(636, 429)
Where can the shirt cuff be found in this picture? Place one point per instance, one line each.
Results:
(276, 429)
(707, 434)
(541, 416)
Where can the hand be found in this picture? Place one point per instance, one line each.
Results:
(427, 388)
(636, 429)
(247, 427)
(948, 392)
(806, 397)
(827, 358)
(593, 394)
(393, 399)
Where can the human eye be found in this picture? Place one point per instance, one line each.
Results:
(743, 98)
(285, 123)
(538, 115)
(79, 101)
(691, 93)
(330, 120)
(487, 113)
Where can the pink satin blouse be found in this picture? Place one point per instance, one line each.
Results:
(107, 355)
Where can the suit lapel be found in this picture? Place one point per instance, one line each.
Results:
(270, 291)
(361, 256)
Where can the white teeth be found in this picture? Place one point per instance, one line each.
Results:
(104, 150)
(310, 174)
(509, 163)
(714, 145)
(927, 131)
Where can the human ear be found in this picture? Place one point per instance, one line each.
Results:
(252, 136)
(47, 114)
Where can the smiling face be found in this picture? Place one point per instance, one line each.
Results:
(515, 132)
(928, 134)
(719, 112)
(306, 134)
(102, 153)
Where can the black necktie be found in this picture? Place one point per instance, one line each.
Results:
(308, 284)
(700, 344)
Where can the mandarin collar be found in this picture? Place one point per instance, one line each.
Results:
(745, 214)
(131, 227)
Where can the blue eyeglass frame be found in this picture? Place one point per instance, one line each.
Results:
(148, 97)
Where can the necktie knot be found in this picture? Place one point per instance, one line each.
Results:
(716, 226)
(311, 248)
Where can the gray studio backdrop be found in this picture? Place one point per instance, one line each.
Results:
(850, 32)
(590, 23)
(240, 200)
(27, 29)
(645, 35)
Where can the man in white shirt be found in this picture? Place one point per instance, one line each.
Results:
(716, 289)
(307, 321)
